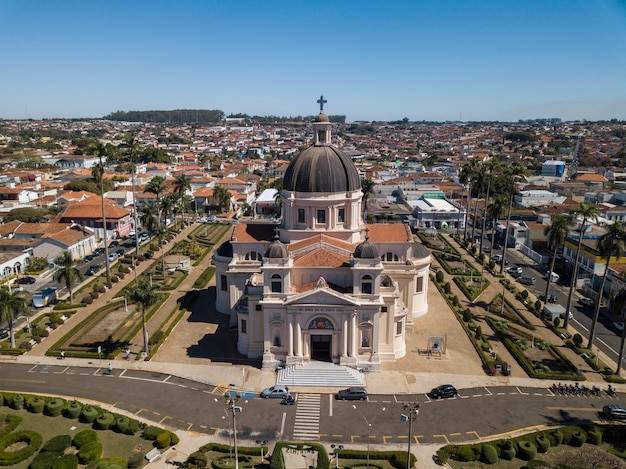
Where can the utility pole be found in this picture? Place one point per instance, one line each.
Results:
(412, 413)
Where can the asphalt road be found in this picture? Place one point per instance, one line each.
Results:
(183, 404)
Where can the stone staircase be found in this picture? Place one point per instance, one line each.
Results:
(322, 374)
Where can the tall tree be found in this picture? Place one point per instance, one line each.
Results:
(467, 178)
(155, 186)
(144, 295)
(492, 167)
(133, 149)
(181, 186)
(12, 303)
(99, 149)
(512, 176)
(619, 304)
(610, 244)
(586, 212)
(495, 210)
(67, 273)
(556, 233)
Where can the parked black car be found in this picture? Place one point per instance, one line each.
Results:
(442, 392)
(352, 394)
(26, 280)
(114, 244)
(4, 332)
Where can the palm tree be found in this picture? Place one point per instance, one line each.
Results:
(66, 272)
(512, 175)
(495, 210)
(610, 244)
(132, 146)
(149, 219)
(223, 197)
(181, 185)
(367, 187)
(619, 304)
(492, 166)
(587, 212)
(11, 305)
(556, 234)
(98, 149)
(143, 295)
(467, 177)
(155, 186)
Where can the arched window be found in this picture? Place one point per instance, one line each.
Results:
(366, 284)
(276, 340)
(254, 256)
(277, 283)
(389, 257)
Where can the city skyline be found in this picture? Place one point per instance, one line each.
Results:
(434, 61)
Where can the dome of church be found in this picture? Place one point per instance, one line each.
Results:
(277, 250)
(225, 250)
(366, 250)
(322, 168)
(321, 117)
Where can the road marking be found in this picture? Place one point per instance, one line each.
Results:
(489, 392)
(455, 434)
(473, 433)
(520, 391)
(38, 381)
(580, 409)
(442, 436)
(62, 371)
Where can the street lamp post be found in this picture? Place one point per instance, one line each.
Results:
(412, 411)
(261, 443)
(230, 403)
(336, 449)
(369, 428)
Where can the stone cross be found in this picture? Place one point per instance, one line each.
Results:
(321, 102)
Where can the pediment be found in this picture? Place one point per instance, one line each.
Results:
(322, 296)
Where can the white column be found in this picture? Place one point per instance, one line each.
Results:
(344, 337)
(290, 338)
(353, 335)
(267, 334)
(298, 339)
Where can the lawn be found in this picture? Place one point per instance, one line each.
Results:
(114, 444)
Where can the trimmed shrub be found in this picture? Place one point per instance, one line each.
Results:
(556, 437)
(175, 440)
(463, 453)
(88, 452)
(399, 461)
(1, 399)
(57, 444)
(163, 440)
(87, 299)
(121, 424)
(577, 339)
(17, 402)
(54, 407)
(104, 421)
(489, 454)
(594, 436)
(67, 461)
(151, 433)
(43, 461)
(36, 405)
(84, 437)
(578, 438)
(508, 451)
(439, 276)
(197, 459)
(32, 439)
(88, 414)
(72, 411)
(94, 295)
(543, 443)
(114, 278)
(527, 450)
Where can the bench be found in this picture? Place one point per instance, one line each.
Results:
(153, 455)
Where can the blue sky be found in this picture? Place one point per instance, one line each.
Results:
(373, 60)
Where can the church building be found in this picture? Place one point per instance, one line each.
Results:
(322, 284)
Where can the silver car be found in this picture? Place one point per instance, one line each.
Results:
(275, 391)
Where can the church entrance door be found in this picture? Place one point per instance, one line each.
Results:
(321, 347)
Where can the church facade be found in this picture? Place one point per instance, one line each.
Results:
(322, 285)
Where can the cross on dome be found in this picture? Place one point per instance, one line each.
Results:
(321, 102)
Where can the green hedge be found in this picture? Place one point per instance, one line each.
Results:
(31, 438)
